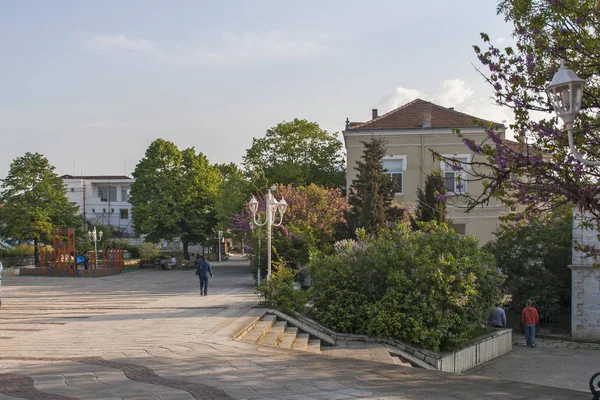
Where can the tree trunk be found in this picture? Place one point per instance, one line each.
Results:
(36, 253)
(186, 253)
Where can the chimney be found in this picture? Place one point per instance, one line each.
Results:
(374, 111)
(427, 115)
(451, 108)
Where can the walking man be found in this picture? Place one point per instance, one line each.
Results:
(203, 270)
(498, 317)
(529, 318)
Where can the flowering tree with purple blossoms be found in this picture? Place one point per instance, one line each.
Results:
(309, 222)
(539, 171)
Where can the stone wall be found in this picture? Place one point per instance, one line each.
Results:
(585, 279)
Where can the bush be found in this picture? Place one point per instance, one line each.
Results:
(535, 256)
(22, 250)
(430, 287)
(134, 251)
(279, 292)
(149, 251)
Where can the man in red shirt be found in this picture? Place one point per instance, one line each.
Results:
(529, 318)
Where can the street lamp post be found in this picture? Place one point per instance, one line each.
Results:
(565, 92)
(258, 233)
(272, 207)
(94, 237)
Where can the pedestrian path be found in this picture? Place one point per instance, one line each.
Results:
(149, 335)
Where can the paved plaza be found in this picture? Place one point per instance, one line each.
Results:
(149, 335)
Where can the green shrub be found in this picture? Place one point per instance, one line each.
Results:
(134, 251)
(431, 287)
(22, 250)
(149, 251)
(279, 291)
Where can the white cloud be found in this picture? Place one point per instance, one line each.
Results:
(399, 97)
(233, 49)
(501, 40)
(452, 93)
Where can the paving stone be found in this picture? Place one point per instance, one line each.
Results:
(148, 334)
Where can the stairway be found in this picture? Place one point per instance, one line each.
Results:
(268, 331)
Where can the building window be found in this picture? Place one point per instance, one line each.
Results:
(455, 177)
(395, 167)
(461, 229)
(72, 190)
(512, 209)
(124, 213)
(107, 193)
(102, 193)
(124, 194)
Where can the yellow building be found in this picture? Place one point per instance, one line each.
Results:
(411, 133)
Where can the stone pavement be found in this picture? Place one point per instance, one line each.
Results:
(556, 363)
(149, 335)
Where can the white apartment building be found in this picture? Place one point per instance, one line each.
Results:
(103, 200)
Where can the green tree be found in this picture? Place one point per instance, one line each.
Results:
(431, 205)
(535, 256)
(297, 153)
(173, 195)
(234, 192)
(371, 196)
(34, 201)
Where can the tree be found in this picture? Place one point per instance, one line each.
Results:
(308, 224)
(34, 201)
(431, 204)
(371, 196)
(535, 257)
(233, 193)
(173, 195)
(540, 170)
(298, 153)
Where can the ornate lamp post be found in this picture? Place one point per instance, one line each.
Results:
(565, 92)
(94, 237)
(272, 207)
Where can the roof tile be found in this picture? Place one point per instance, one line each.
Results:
(413, 115)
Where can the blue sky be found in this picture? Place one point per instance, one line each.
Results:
(90, 84)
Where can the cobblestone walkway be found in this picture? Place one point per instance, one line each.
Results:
(149, 335)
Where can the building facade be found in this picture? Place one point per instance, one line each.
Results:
(102, 200)
(412, 132)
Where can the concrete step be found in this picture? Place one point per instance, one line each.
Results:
(273, 336)
(379, 353)
(398, 361)
(314, 345)
(301, 342)
(288, 338)
(260, 329)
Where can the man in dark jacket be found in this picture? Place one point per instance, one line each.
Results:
(203, 270)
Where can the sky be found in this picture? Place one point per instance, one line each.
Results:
(90, 84)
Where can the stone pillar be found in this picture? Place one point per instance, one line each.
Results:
(585, 280)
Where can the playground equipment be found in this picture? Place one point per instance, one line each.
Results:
(62, 258)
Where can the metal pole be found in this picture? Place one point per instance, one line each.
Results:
(95, 249)
(258, 258)
(269, 223)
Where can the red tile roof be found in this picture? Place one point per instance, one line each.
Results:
(514, 146)
(412, 115)
(98, 177)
